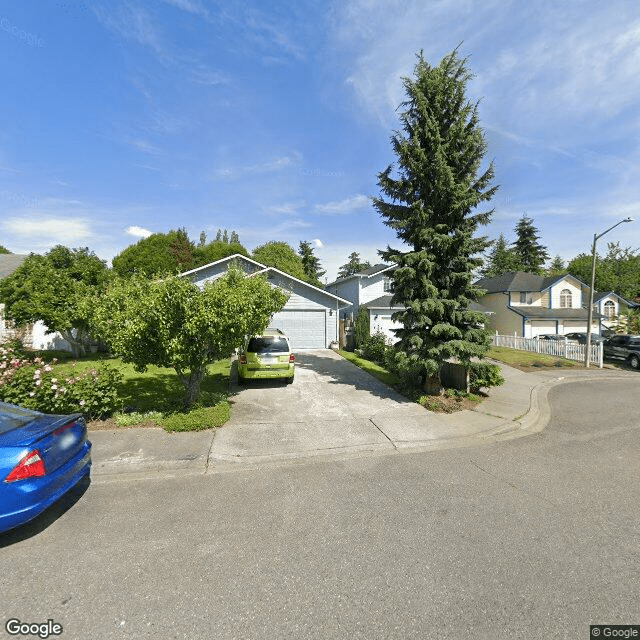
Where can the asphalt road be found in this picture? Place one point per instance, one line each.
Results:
(534, 538)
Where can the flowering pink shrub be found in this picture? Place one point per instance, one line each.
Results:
(33, 383)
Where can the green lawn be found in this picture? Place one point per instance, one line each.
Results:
(516, 358)
(157, 394)
(390, 379)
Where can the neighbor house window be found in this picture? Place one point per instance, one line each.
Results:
(525, 297)
(565, 299)
(609, 309)
(388, 285)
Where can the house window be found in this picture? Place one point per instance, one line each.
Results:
(609, 309)
(565, 299)
(388, 285)
(525, 297)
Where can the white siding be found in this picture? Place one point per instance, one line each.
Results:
(372, 288)
(576, 294)
(349, 290)
(381, 321)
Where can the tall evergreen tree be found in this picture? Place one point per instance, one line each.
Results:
(235, 239)
(556, 267)
(353, 265)
(501, 259)
(530, 253)
(432, 205)
(310, 262)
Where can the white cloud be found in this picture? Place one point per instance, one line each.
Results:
(564, 64)
(49, 229)
(191, 6)
(342, 207)
(270, 166)
(318, 243)
(144, 146)
(131, 22)
(139, 232)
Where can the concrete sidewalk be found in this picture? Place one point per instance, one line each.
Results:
(516, 409)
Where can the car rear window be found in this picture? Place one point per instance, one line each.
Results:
(268, 345)
(13, 417)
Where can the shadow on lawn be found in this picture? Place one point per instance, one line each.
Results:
(163, 391)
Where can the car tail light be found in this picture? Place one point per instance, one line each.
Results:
(31, 466)
(62, 429)
(292, 358)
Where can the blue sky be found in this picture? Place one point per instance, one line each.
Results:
(123, 117)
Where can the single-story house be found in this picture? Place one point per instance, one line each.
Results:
(311, 315)
(528, 305)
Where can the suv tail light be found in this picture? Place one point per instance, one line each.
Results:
(292, 358)
(31, 466)
(242, 359)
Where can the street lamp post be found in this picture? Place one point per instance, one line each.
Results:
(587, 358)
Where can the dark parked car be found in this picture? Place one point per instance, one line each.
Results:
(553, 336)
(581, 338)
(624, 348)
(41, 458)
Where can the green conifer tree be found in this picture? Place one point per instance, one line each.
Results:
(530, 253)
(432, 205)
(310, 262)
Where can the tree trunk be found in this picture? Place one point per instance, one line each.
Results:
(192, 384)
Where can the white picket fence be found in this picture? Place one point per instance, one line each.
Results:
(562, 348)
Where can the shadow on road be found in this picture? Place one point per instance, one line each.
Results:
(47, 517)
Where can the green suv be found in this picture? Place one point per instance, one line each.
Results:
(267, 356)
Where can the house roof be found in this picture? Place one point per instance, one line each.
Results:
(599, 296)
(542, 313)
(383, 302)
(235, 256)
(265, 269)
(365, 273)
(519, 281)
(9, 262)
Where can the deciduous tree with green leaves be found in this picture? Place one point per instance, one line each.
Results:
(58, 289)
(431, 202)
(217, 250)
(4, 249)
(281, 256)
(158, 255)
(172, 323)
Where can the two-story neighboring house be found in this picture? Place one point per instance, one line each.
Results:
(528, 305)
(371, 288)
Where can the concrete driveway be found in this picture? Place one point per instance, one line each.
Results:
(331, 406)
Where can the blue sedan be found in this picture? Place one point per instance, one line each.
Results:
(41, 458)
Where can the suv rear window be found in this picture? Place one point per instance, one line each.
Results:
(268, 345)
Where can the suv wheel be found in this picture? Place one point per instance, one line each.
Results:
(634, 361)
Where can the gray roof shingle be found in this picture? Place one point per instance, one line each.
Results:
(517, 281)
(9, 262)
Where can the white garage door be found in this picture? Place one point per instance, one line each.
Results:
(540, 327)
(306, 329)
(574, 327)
